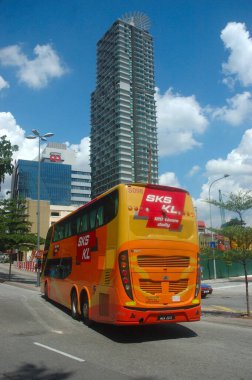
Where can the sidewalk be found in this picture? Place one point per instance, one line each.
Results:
(213, 281)
(20, 278)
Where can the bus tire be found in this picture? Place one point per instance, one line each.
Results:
(74, 305)
(85, 310)
(46, 292)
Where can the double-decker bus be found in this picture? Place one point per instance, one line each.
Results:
(128, 257)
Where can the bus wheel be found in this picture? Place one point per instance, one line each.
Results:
(85, 310)
(74, 305)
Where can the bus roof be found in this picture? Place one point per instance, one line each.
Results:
(146, 185)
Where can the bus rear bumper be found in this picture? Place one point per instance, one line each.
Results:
(134, 316)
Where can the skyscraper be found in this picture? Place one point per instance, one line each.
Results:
(123, 111)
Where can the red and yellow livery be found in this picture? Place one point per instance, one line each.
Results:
(128, 257)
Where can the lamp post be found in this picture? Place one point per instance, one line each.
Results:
(211, 224)
(40, 137)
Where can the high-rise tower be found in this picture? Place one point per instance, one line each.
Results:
(123, 111)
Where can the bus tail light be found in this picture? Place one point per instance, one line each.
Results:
(198, 279)
(124, 272)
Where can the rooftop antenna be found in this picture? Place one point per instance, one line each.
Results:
(137, 19)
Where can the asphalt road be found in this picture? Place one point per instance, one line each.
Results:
(41, 341)
(229, 296)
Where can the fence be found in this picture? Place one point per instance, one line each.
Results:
(26, 265)
(223, 270)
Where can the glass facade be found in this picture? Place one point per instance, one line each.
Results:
(55, 182)
(123, 110)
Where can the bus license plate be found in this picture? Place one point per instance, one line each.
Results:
(166, 317)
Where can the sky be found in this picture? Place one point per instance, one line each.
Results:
(203, 76)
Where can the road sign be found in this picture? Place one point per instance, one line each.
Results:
(212, 244)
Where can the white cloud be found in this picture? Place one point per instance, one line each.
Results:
(238, 164)
(28, 149)
(194, 170)
(237, 39)
(37, 72)
(179, 118)
(82, 152)
(3, 83)
(169, 179)
(239, 109)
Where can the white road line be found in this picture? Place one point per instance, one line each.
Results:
(59, 352)
(229, 286)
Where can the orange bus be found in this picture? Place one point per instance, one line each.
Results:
(128, 257)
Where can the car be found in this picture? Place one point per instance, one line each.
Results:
(205, 290)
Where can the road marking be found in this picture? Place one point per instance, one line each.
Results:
(223, 308)
(59, 352)
(230, 286)
(57, 331)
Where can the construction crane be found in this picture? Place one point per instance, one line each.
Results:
(222, 211)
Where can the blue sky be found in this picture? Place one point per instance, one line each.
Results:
(203, 73)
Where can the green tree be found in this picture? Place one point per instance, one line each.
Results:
(6, 152)
(239, 235)
(14, 225)
(15, 228)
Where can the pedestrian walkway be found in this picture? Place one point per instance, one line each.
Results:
(18, 277)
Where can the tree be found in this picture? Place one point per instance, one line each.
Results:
(6, 152)
(238, 203)
(239, 235)
(15, 228)
(233, 222)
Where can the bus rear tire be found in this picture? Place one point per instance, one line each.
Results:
(85, 310)
(74, 305)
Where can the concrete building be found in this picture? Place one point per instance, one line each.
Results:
(123, 110)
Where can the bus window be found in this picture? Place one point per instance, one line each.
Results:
(51, 269)
(82, 223)
(48, 239)
(92, 217)
(99, 217)
(65, 267)
(56, 233)
(110, 206)
(84, 219)
(67, 230)
(78, 224)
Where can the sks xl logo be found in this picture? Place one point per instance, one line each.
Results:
(163, 209)
(85, 243)
(165, 201)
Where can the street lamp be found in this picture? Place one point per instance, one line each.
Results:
(211, 224)
(40, 137)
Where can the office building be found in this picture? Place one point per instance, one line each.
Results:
(123, 110)
(61, 182)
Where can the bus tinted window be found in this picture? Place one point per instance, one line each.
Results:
(89, 218)
(110, 203)
(82, 223)
(48, 239)
(58, 268)
(92, 217)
